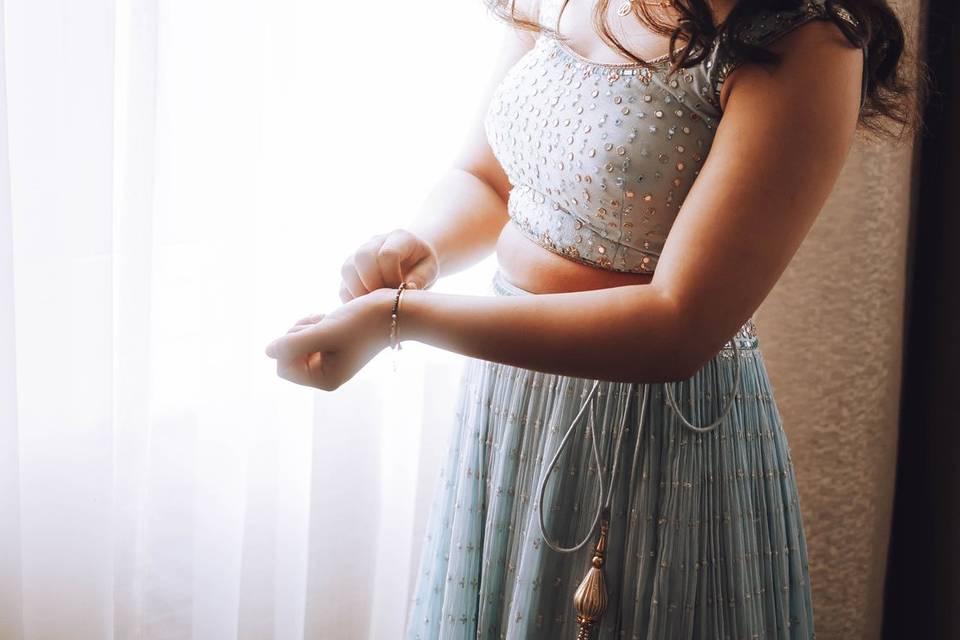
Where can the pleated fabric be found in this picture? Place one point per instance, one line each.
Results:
(706, 539)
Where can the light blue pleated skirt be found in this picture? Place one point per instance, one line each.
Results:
(705, 533)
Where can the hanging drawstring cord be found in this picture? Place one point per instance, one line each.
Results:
(590, 598)
(668, 387)
(601, 502)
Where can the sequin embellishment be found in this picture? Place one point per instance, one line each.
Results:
(581, 140)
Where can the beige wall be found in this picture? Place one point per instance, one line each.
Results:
(831, 334)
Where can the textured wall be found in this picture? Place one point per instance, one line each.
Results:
(831, 334)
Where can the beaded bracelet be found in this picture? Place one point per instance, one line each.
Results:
(394, 320)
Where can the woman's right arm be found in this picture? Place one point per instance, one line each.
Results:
(465, 212)
(460, 220)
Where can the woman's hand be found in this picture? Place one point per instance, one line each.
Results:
(326, 350)
(386, 260)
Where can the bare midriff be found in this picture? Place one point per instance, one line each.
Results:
(530, 266)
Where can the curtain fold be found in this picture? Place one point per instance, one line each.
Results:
(59, 54)
(179, 183)
(135, 73)
(11, 618)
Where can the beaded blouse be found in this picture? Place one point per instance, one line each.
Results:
(600, 156)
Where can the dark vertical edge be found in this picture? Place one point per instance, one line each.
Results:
(923, 571)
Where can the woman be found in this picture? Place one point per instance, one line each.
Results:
(617, 437)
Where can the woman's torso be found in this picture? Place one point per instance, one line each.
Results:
(534, 268)
(601, 153)
(528, 264)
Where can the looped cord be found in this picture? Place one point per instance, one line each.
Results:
(603, 504)
(723, 414)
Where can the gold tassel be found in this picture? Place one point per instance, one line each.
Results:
(590, 598)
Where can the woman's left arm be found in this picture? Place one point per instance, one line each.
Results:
(776, 155)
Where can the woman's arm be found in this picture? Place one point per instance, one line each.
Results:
(777, 153)
(459, 221)
(465, 212)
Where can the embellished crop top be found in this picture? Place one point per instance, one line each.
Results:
(600, 156)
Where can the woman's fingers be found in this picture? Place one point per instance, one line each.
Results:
(386, 260)
(311, 371)
(351, 280)
(300, 341)
(313, 318)
(345, 294)
(399, 248)
(298, 327)
(301, 370)
(306, 322)
(365, 261)
(422, 274)
(406, 257)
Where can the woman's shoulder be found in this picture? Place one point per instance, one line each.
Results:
(766, 25)
(769, 23)
(765, 28)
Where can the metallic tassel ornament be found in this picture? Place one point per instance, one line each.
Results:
(590, 598)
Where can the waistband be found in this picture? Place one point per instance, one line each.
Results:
(746, 336)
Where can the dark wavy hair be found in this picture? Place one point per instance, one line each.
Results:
(893, 96)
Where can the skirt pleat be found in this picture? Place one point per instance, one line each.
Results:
(705, 540)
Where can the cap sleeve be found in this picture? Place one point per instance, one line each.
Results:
(760, 30)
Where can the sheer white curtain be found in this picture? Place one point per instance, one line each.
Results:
(179, 182)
